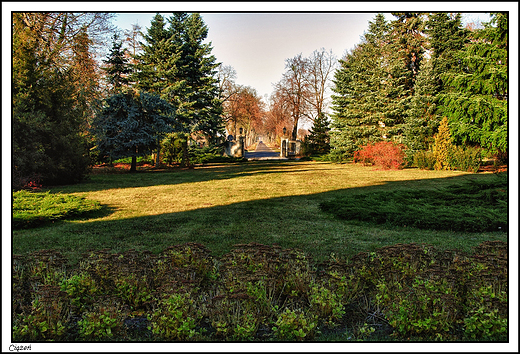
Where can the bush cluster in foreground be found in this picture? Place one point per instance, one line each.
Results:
(263, 293)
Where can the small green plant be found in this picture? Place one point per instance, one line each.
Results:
(295, 325)
(326, 304)
(235, 315)
(132, 290)
(364, 332)
(81, 290)
(175, 318)
(102, 324)
(428, 308)
(45, 319)
(485, 325)
(246, 327)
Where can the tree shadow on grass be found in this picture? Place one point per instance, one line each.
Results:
(290, 221)
(206, 173)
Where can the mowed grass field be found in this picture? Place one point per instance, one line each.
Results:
(222, 205)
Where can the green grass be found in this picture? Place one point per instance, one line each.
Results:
(225, 204)
(475, 206)
(31, 209)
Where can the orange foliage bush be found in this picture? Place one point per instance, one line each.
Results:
(384, 154)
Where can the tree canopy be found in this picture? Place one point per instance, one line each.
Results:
(130, 124)
(54, 89)
(406, 75)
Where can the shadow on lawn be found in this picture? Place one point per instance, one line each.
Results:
(290, 221)
(206, 173)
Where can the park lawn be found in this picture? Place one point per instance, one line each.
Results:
(221, 205)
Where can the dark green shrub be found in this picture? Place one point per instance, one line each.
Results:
(466, 159)
(471, 207)
(424, 160)
(337, 156)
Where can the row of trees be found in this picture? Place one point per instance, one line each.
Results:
(54, 86)
(170, 87)
(407, 74)
(396, 85)
(300, 96)
(69, 107)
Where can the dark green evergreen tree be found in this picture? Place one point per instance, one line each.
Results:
(48, 109)
(178, 66)
(408, 43)
(361, 92)
(476, 101)
(446, 37)
(317, 142)
(130, 124)
(405, 59)
(421, 120)
(195, 90)
(117, 67)
(157, 64)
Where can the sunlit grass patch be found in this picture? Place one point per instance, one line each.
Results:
(221, 205)
(31, 209)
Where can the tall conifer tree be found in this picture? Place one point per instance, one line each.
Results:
(195, 92)
(157, 64)
(178, 66)
(116, 66)
(477, 99)
(445, 37)
(360, 91)
(405, 59)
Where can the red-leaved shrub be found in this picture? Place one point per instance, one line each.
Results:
(384, 154)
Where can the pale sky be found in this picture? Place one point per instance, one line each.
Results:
(256, 45)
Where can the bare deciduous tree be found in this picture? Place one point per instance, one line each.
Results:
(294, 90)
(319, 68)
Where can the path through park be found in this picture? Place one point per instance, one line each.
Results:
(263, 152)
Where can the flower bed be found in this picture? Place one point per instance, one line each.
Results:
(262, 293)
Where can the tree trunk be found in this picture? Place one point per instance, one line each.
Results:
(158, 157)
(185, 154)
(133, 167)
